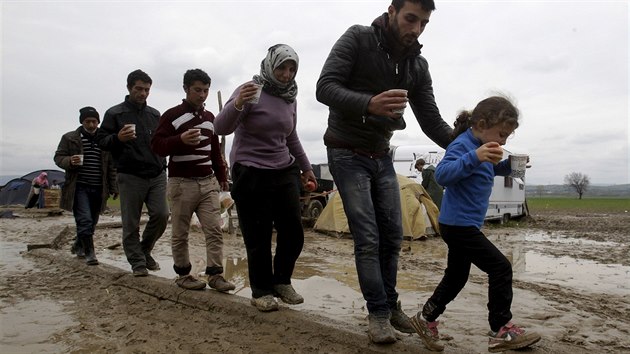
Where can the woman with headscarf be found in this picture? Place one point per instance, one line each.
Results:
(268, 167)
(37, 184)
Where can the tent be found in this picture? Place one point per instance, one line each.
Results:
(16, 190)
(419, 213)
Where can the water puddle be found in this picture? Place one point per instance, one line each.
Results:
(11, 260)
(26, 326)
(537, 265)
(332, 285)
(577, 273)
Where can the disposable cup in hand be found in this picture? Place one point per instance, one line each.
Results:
(256, 97)
(133, 127)
(196, 130)
(519, 165)
(80, 160)
(401, 110)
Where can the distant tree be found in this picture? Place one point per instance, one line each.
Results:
(578, 182)
(540, 189)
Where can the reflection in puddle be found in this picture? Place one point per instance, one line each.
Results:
(11, 260)
(26, 326)
(565, 239)
(581, 274)
(332, 286)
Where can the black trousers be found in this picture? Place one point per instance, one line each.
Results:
(466, 246)
(266, 199)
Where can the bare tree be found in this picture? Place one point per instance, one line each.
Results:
(578, 182)
(540, 189)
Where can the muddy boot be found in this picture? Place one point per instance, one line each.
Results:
(380, 330)
(88, 247)
(77, 248)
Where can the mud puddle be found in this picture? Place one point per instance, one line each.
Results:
(27, 326)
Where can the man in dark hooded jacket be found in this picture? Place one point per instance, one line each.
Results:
(370, 75)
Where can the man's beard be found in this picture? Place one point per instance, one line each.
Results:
(395, 33)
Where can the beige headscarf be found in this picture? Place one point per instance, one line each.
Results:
(277, 55)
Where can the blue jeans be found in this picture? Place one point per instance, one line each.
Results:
(371, 200)
(134, 192)
(86, 210)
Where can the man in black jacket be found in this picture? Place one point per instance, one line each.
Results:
(126, 131)
(370, 75)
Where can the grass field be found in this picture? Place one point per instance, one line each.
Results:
(586, 205)
(113, 204)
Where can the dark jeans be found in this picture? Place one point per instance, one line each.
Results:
(86, 209)
(266, 199)
(371, 200)
(466, 246)
(134, 192)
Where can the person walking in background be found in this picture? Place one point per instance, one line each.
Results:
(429, 183)
(266, 159)
(196, 172)
(126, 131)
(467, 171)
(89, 180)
(38, 183)
(356, 83)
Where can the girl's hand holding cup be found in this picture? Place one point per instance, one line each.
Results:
(490, 152)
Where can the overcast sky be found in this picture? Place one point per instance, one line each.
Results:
(565, 63)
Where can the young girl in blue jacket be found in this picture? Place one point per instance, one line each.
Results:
(467, 171)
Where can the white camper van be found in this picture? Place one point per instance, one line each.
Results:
(508, 194)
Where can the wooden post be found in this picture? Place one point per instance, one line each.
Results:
(231, 228)
(222, 136)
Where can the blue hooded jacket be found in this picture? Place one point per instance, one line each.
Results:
(468, 182)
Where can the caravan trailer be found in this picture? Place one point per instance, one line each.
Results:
(507, 200)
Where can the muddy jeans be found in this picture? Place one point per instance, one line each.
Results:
(371, 199)
(199, 196)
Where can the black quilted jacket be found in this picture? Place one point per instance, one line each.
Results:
(359, 67)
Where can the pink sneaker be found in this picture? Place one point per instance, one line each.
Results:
(428, 332)
(511, 337)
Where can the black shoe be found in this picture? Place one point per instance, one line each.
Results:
(140, 272)
(91, 260)
(400, 321)
(152, 265)
(88, 249)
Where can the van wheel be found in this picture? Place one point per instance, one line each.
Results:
(505, 219)
(314, 209)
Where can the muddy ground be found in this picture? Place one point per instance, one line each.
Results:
(572, 284)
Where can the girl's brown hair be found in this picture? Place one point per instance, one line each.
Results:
(488, 113)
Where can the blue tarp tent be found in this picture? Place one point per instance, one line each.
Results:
(16, 190)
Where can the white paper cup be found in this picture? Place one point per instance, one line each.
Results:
(519, 165)
(133, 127)
(256, 97)
(402, 110)
(198, 131)
(80, 160)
